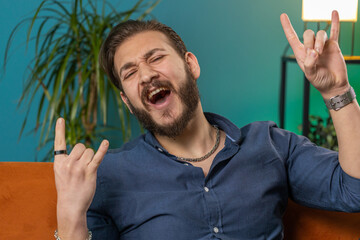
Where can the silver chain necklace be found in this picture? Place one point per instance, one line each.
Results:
(208, 154)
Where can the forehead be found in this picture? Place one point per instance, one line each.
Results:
(139, 44)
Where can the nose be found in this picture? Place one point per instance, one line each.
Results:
(146, 73)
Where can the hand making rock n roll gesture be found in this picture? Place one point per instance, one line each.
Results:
(75, 177)
(320, 58)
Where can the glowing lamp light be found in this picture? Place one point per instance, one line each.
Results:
(320, 10)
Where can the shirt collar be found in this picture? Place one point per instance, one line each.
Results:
(231, 130)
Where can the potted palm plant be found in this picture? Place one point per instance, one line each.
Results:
(65, 71)
(322, 132)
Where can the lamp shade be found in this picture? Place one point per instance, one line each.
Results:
(320, 10)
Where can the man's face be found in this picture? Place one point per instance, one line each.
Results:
(159, 88)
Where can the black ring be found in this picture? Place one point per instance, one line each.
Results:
(58, 152)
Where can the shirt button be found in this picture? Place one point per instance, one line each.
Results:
(216, 230)
(160, 150)
(206, 189)
(186, 164)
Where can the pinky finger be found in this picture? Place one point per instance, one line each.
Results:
(99, 156)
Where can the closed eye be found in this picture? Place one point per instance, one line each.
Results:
(129, 74)
(157, 58)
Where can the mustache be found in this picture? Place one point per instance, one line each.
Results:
(155, 84)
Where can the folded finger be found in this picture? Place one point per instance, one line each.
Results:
(310, 64)
(87, 155)
(309, 39)
(77, 151)
(321, 38)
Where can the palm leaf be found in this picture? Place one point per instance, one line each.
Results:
(65, 78)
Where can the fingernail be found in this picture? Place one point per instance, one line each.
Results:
(59, 121)
(313, 53)
(105, 143)
(318, 50)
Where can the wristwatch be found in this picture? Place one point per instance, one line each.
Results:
(340, 101)
(58, 238)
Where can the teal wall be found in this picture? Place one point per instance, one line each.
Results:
(238, 45)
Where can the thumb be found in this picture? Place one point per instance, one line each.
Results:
(310, 64)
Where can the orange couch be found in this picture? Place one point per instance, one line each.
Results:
(28, 209)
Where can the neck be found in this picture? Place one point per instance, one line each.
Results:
(196, 140)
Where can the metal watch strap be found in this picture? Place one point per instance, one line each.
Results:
(88, 238)
(340, 101)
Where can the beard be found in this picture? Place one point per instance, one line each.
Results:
(189, 97)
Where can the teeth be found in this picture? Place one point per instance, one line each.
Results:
(155, 92)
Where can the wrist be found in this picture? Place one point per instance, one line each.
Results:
(71, 224)
(70, 214)
(69, 207)
(68, 231)
(335, 91)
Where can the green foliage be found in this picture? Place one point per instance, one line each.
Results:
(65, 71)
(322, 132)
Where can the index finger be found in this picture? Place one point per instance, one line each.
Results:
(335, 26)
(60, 141)
(290, 33)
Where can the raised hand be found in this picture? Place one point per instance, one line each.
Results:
(75, 179)
(320, 58)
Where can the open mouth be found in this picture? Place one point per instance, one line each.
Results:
(158, 96)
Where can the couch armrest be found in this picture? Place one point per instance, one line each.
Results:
(303, 223)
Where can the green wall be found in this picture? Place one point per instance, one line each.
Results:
(238, 45)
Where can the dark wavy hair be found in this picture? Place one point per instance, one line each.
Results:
(123, 31)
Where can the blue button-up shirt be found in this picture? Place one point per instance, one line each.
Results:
(144, 192)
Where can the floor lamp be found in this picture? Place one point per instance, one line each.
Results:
(320, 11)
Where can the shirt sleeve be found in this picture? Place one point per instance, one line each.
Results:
(99, 222)
(315, 177)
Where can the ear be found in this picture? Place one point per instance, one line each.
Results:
(126, 101)
(193, 64)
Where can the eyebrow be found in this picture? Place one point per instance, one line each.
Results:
(146, 56)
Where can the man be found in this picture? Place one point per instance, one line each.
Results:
(196, 175)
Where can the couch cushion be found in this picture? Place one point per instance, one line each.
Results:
(27, 201)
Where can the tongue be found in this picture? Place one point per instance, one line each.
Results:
(159, 97)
